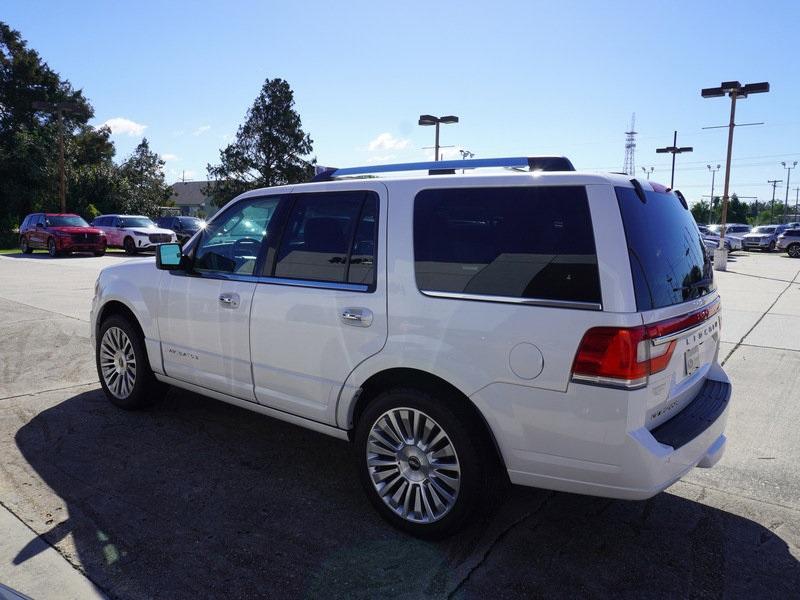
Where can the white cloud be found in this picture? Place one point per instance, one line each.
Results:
(125, 126)
(386, 141)
(168, 157)
(381, 159)
(201, 130)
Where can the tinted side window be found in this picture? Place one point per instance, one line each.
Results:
(364, 253)
(232, 243)
(534, 242)
(319, 236)
(25, 222)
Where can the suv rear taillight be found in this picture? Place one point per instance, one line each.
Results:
(619, 357)
(626, 356)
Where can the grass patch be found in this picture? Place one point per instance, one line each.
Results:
(9, 251)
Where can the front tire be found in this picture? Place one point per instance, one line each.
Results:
(771, 246)
(23, 245)
(123, 367)
(794, 250)
(421, 461)
(51, 248)
(129, 246)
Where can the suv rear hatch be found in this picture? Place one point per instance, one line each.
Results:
(673, 282)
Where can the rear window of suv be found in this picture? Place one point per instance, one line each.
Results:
(669, 262)
(506, 244)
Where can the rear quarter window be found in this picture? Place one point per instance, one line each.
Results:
(510, 243)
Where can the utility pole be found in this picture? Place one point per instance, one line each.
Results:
(773, 183)
(59, 109)
(788, 175)
(674, 149)
(713, 174)
(648, 172)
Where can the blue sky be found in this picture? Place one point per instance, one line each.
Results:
(524, 77)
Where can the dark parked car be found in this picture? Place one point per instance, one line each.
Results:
(184, 227)
(60, 234)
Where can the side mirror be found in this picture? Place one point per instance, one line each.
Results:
(169, 257)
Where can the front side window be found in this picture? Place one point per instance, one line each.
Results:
(330, 237)
(65, 221)
(233, 242)
(514, 243)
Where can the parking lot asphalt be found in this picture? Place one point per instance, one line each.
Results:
(196, 498)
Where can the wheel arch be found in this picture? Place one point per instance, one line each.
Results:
(425, 381)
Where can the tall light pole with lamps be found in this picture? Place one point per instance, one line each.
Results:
(426, 120)
(788, 175)
(648, 172)
(734, 90)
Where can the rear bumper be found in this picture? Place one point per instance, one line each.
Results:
(603, 457)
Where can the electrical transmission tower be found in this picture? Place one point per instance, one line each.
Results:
(630, 147)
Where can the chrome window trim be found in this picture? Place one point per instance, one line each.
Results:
(305, 283)
(513, 300)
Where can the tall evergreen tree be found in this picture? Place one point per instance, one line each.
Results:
(271, 147)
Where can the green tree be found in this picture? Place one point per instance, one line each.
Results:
(701, 211)
(270, 147)
(28, 139)
(141, 187)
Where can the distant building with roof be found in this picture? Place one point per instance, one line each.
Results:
(190, 198)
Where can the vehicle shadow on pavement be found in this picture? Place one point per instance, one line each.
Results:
(195, 498)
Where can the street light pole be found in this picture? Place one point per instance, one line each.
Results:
(648, 171)
(713, 175)
(788, 175)
(796, 198)
(432, 120)
(674, 149)
(734, 90)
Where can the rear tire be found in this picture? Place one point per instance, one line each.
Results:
(23, 245)
(129, 246)
(123, 367)
(771, 246)
(794, 250)
(100, 253)
(422, 461)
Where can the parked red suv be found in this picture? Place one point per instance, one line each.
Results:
(60, 234)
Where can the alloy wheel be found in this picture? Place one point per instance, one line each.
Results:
(51, 247)
(118, 362)
(794, 251)
(413, 465)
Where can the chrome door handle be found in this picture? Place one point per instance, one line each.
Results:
(358, 317)
(229, 300)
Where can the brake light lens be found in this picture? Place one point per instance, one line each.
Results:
(626, 356)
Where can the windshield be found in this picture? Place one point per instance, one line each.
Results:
(669, 263)
(764, 230)
(65, 221)
(136, 222)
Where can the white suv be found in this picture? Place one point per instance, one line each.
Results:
(554, 329)
(133, 232)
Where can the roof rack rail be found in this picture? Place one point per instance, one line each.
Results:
(532, 163)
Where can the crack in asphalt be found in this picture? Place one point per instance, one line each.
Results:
(55, 312)
(728, 492)
(764, 314)
(67, 387)
(496, 541)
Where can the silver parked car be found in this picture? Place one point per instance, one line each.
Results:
(711, 239)
(789, 240)
(733, 231)
(763, 237)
